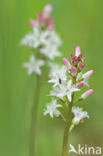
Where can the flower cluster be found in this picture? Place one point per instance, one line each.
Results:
(43, 39)
(67, 80)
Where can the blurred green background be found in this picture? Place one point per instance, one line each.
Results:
(78, 23)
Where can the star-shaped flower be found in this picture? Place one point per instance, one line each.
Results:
(78, 115)
(52, 110)
(59, 76)
(34, 66)
(65, 89)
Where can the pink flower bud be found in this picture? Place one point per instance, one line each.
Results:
(41, 18)
(51, 27)
(33, 23)
(77, 51)
(80, 84)
(87, 93)
(87, 75)
(73, 69)
(66, 62)
(48, 9)
(80, 55)
(82, 66)
(83, 59)
(75, 59)
(72, 55)
(50, 20)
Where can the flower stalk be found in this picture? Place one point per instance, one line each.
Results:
(34, 117)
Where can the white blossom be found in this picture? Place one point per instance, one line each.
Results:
(52, 110)
(59, 76)
(65, 89)
(50, 50)
(79, 115)
(35, 38)
(34, 65)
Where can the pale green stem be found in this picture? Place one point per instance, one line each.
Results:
(34, 117)
(67, 127)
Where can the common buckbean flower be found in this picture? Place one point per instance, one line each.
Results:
(43, 39)
(67, 80)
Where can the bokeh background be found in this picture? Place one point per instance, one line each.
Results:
(78, 23)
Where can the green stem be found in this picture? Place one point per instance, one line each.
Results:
(34, 117)
(66, 131)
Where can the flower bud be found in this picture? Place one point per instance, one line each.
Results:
(33, 23)
(51, 27)
(77, 51)
(66, 62)
(87, 75)
(73, 69)
(47, 9)
(83, 59)
(82, 66)
(87, 93)
(72, 55)
(50, 20)
(76, 59)
(80, 84)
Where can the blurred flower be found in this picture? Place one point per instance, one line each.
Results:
(34, 66)
(54, 67)
(78, 115)
(52, 110)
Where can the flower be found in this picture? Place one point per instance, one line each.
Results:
(35, 38)
(59, 76)
(78, 115)
(52, 110)
(34, 65)
(50, 50)
(65, 89)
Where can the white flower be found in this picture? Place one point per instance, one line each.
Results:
(50, 49)
(35, 38)
(78, 115)
(59, 76)
(65, 89)
(54, 67)
(51, 109)
(34, 66)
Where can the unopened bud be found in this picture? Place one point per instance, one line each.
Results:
(80, 84)
(87, 75)
(87, 93)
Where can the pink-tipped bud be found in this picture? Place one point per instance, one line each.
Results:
(73, 69)
(83, 59)
(87, 75)
(51, 27)
(82, 66)
(33, 23)
(87, 93)
(72, 55)
(77, 51)
(48, 9)
(66, 62)
(80, 84)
